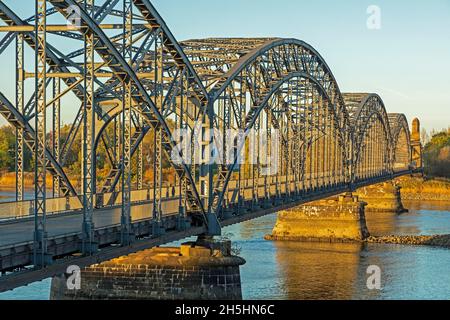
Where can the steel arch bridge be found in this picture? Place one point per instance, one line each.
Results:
(118, 69)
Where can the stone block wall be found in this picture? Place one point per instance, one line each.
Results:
(160, 274)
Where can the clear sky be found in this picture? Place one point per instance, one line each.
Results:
(407, 61)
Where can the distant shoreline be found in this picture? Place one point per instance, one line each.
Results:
(415, 188)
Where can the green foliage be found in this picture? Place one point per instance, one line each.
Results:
(437, 155)
(7, 148)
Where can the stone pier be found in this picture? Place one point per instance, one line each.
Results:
(384, 197)
(339, 219)
(203, 270)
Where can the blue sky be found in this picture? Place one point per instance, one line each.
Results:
(407, 61)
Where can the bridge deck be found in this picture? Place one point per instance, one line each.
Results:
(21, 231)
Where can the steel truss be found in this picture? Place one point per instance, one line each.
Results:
(132, 77)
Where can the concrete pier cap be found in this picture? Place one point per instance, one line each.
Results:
(338, 219)
(385, 197)
(199, 270)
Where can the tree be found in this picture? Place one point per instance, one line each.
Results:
(7, 148)
(437, 155)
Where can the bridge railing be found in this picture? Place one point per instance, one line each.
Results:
(265, 186)
(13, 210)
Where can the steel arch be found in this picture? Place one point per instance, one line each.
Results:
(399, 124)
(370, 106)
(300, 49)
(251, 119)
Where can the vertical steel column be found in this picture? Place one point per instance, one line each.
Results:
(322, 155)
(327, 143)
(298, 138)
(378, 150)
(371, 151)
(346, 146)
(376, 165)
(288, 140)
(310, 130)
(20, 107)
(140, 159)
(117, 146)
(157, 155)
(280, 151)
(241, 153)
(366, 151)
(88, 138)
(40, 232)
(206, 177)
(223, 168)
(256, 153)
(56, 126)
(126, 231)
(186, 149)
(316, 124)
(304, 132)
(334, 144)
(267, 157)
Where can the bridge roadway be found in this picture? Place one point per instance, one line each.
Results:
(64, 236)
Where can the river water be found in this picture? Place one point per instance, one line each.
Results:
(291, 270)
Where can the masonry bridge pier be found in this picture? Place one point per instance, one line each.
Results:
(238, 128)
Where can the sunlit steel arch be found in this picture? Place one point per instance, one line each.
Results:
(212, 58)
(362, 108)
(399, 125)
(300, 49)
(295, 55)
(219, 62)
(264, 104)
(124, 72)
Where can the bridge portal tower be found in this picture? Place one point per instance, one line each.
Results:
(416, 144)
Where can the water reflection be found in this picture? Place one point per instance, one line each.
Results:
(313, 271)
(293, 270)
(383, 223)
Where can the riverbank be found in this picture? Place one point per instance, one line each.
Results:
(442, 241)
(8, 180)
(423, 189)
(434, 241)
